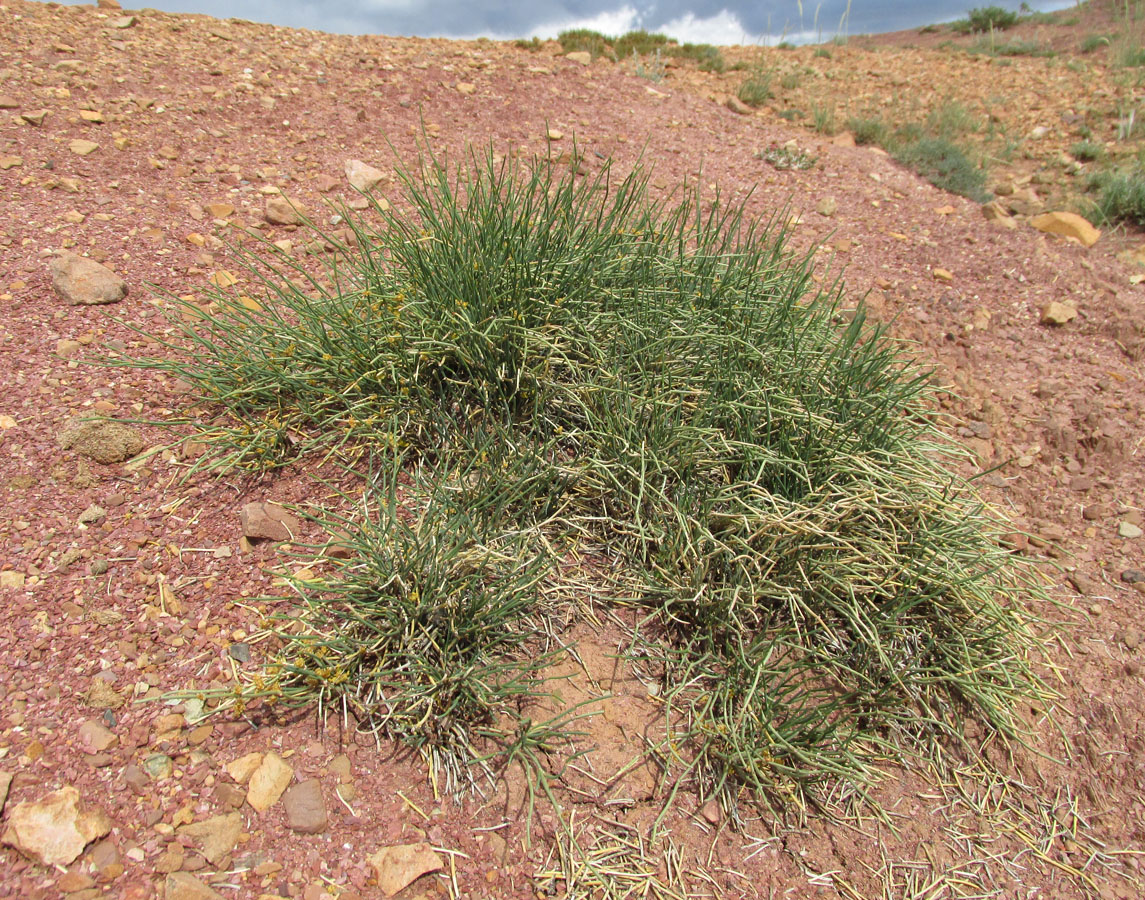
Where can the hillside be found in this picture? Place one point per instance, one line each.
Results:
(161, 145)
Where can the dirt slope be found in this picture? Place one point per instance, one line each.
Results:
(195, 123)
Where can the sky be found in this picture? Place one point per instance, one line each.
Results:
(722, 22)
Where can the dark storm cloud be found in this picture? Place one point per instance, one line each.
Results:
(734, 20)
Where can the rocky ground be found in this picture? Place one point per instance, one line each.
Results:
(135, 146)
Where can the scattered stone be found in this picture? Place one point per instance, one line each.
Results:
(81, 147)
(35, 117)
(122, 22)
(12, 581)
(997, 214)
(159, 765)
(554, 135)
(5, 783)
(92, 116)
(943, 275)
(84, 282)
(92, 514)
(268, 521)
(827, 207)
(1069, 225)
(280, 211)
(221, 210)
(1131, 638)
(1055, 313)
(467, 88)
(54, 829)
(74, 880)
(95, 737)
(135, 778)
(184, 886)
(363, 177)
(580, 56)
(400, 866)
(711, 812)
(10, 162)
(239, 652)
(101, 695)
(8, 102)
(242, 768)
(845, 139)
(215, 837)
(342, 769)
(1129, 531)
(1133, 576)
(268, 782)
(103, 440)
(736, 105)
(305, 807)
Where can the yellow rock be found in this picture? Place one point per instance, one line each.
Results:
(80, 147)
(943, 275)
(1069, 225)
(1054, 313)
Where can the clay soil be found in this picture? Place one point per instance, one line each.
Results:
(197, 122)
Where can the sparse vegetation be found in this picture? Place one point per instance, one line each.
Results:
(533, 44)
(543, 369)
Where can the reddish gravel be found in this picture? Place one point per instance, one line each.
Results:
(196, 112)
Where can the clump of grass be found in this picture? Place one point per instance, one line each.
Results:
(1087, 151)
(987, 46)
(822, 53)
(823, 119)
(1121, 196)
(946, 165)
(790, 80)
(583, 39)
(756, 88)
(533, 44)
(1093, 42)
(707, 57)
(544, 367)
(868, 130)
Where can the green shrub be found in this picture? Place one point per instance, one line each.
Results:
(535, 364)
(533, 44)
(991, 18)
(790, 81)
(822, 53)
(580, 39)
(944, 164)
(639, 42)
(1121, 196)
